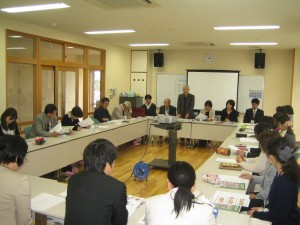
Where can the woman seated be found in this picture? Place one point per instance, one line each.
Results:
(229, 114)
(207, 111)
(9, 124)
(14, 187)
(282, 207)
(182, 204)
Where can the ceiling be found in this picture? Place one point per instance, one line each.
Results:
(184, 24)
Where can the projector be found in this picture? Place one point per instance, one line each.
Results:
(167, 119)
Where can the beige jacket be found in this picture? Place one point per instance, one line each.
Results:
(15, 198)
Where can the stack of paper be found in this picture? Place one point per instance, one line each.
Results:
(45, 201)
(87, 122)
(133, 203)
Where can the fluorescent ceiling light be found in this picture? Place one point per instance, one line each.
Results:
(35, 8)
(247, 27)
(254, 43)
(15, 36)
(70, 47)
(154, 44)
(109, 31)
(16, 48)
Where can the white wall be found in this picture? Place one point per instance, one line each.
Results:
(278, 70)
(117, 58)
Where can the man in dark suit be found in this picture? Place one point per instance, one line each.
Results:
(167, 108)
(254, 114)
(102, 113)
(185, 104)
(150, 108)
(94, 197)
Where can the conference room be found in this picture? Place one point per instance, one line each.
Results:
(57, 60)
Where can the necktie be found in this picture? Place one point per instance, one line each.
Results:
(254, 111)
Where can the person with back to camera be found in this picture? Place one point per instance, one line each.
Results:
(283, 196)
(44, 122)
(101, 112)
(290, 112)
(9, 124)
(254, 114)
(150, 108)
(15, 193)
(182, 205)
(94, 197)
(229, 114)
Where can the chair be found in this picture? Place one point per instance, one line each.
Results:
(27, 131)
(95, 120)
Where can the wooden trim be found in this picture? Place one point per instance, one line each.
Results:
(21, 60)
(96, 67)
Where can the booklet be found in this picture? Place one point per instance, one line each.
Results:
(230, 201)
(225, 181)
(61, 130)
(87, 122)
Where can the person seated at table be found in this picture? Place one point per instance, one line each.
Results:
(150, 108)
(290, 112)
(72, 118)
(254, 114)
(8, 123)
(265, 180)
(167, 108)
(94, 197)
(101, 112)
(182, 204)
(44, 122)
(284, 126)
(283, 196)
(229, 114)
(15, 193)
(207, 111)
(122, 111)
(257, 164)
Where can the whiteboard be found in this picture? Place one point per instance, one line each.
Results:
(169, 86)
(249, 88)
(216, 85)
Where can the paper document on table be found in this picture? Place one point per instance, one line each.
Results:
(225, 160)
(250, 140)
(45, 201)
(233, 182)
(230, 201)
(201, 117)
(142, 220)
(57, 128)
(63, 194)
(132, 203)
(86, 122)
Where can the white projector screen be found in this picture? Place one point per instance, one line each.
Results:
(215, 85)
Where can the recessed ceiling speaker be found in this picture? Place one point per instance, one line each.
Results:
(259, 60)
(158, 59)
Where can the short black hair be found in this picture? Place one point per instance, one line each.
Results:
(50, 108)
(280, 109)
(255, 100)
(208, 103)
(77, 111)
(103, 100)
(12, 112)
(13, 148)
(231, 102)
(260, 127)
(148, 97)
(268, 119)
(289, 109)
(97, 154)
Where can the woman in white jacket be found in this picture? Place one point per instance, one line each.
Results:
(182, 204)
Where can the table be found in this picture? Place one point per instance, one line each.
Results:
(40, 185)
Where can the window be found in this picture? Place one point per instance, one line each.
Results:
(51, 51)
(74, 54)
(20, 46)
(94, 57)
(20, 89)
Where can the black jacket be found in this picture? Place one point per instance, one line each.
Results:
(172, 110)
(249, 115)
(188, 107)
(101, 113)
(17, 132)
(68, 121)
(233, 116)
(151, 111)
(95, 199)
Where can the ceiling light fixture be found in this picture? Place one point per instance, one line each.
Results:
(254, 43)
(109, 31)
(271, 27)
(35, 8)
(145, 45)
(15, 36)
(15, 48)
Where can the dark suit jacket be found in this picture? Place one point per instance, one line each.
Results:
(233, 116)
(17, 132)
(101, 113)
(249, 115)
(188, 107)
(95, 199)
(172, 110)
(67, 121)
(151, 111)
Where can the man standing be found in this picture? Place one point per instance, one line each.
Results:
(185, 104)
(167, 108)
(254, 114)
(94, 197)
(102, 113)
(44, 122)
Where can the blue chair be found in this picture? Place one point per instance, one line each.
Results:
(27, 131)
